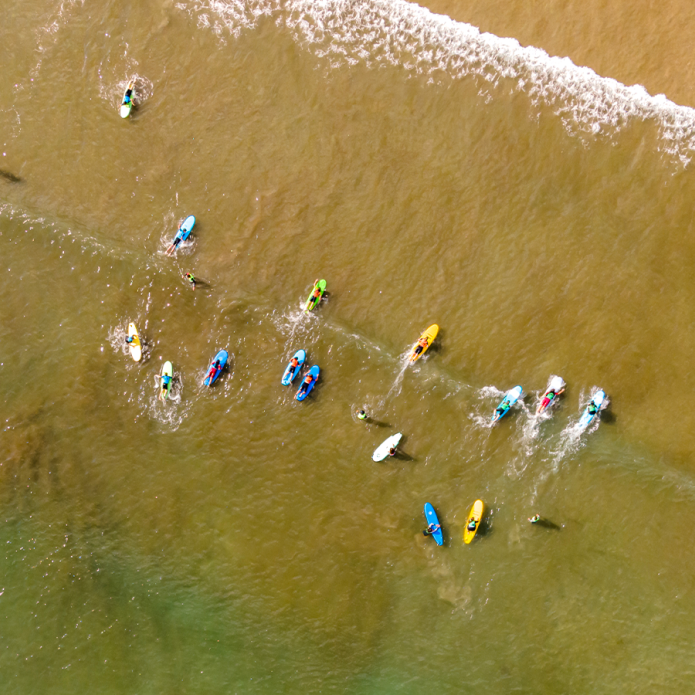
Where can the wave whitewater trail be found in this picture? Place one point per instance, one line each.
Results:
(347, 32)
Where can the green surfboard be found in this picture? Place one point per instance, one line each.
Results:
(313, 301)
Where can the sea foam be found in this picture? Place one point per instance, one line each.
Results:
(378, 32)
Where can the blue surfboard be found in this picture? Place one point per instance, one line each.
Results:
(185, 229)
(220, 362)
(303, 393)
(587, 416)
(510, 398)
(290, 374)
(431, 517)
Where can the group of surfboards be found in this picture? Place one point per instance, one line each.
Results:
(388, 448)
(134, 342)
(550, 397)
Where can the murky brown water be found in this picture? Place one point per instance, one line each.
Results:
(234, 540)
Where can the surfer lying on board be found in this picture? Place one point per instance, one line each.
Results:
(316, 294)
(163, 384)
(431, 529)
(305, 384)
(501, 409)
(128, 96)
(213, 370)
(174, 245)
(421, 345)
(129, 339)
(549, 397)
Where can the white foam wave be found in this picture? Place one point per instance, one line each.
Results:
(378, 32)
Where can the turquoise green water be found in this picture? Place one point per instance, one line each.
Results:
(236, 541)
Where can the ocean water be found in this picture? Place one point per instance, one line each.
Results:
(234, 540)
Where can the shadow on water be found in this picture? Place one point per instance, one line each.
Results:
(9, 176)
(608, 416)
(437, 347)
(485, 527)
(546, 523)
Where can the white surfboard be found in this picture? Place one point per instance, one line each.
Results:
(382, 451)
(135, 347)
(127, 104)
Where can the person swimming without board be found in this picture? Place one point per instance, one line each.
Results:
(361, 415)
(432, 528)
(191, 278)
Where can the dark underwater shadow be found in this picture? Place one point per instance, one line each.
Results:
(9, 176)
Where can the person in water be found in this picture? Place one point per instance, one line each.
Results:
(549, 397)
(191, 278)
(305, 384)
(535, 518)
(362, 415)
(432, 528)
(421, 345)
(316, 294)
(213, 370)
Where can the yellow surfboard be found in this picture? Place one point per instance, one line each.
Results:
(476, 514)
(135, 346)
(430, 334)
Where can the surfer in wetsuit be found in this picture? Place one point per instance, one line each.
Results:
(431, 529)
